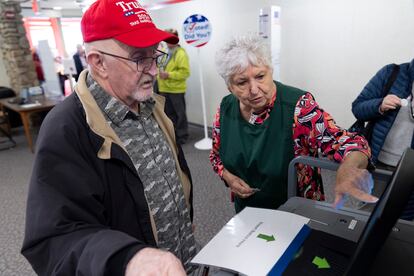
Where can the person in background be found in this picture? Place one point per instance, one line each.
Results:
(393, 114)
(80, 60)
(38, 67)
(263, 124)
(172, 85)
(60, 73)
(110, 192)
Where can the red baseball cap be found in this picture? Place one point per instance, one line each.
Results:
(126, 21)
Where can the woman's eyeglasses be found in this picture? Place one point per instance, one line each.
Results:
(144, 64)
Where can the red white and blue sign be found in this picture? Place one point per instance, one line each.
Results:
(197, 30)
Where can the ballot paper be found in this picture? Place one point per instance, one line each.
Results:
(256, 242)
(30, 105)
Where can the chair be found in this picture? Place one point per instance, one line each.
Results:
(8, 142)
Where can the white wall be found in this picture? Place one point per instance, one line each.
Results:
(227, 17)
(333, 48)
(329, 47)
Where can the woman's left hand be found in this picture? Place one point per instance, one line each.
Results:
(354, 181)
(237, 185)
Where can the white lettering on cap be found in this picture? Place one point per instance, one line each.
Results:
(128, 11)
(127, 6)
(143, 17)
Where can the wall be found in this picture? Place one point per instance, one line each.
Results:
(4, 78)
(17, 58)
(227, 17)
(329, 47)
(333, 48)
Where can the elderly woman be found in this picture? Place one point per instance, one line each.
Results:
(263, 124)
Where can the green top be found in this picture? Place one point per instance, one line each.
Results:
(178, 69)
(260, 154)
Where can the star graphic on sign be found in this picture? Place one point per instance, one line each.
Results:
(199, 17)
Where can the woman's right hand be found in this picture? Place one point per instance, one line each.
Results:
(389, 102)
(237, 185)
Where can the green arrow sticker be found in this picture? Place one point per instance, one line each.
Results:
(320, 263)
(266, 237)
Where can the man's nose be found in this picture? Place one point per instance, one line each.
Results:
(153, 70)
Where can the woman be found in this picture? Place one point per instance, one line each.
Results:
(262, 125)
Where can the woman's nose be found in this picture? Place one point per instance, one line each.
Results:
(254, 88)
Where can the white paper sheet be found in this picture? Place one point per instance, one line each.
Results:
(241, 245)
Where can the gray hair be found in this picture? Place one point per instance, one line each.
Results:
(241, 52)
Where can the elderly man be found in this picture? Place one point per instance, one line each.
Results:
(110, 192)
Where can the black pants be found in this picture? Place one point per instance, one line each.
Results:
(176, 111)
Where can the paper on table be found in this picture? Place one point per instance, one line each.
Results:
(245, 244)
(29, 105)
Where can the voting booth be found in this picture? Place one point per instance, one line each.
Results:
(306, 237)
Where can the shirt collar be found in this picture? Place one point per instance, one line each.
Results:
(113, 109)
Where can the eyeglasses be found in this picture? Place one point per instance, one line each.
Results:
(144, 64)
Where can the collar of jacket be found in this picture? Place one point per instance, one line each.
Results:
(99, 126)
(95, 118)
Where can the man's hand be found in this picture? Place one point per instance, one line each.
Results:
(163, 75)
(353, 179)
(237, 185)
(390, 102)
(154, 262)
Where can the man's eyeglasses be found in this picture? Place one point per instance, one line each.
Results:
(144, 64)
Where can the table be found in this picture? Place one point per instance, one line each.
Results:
(37, 104)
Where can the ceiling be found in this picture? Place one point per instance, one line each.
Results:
(73, 7)
(46, 5)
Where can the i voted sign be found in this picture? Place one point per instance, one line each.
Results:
(197, 30)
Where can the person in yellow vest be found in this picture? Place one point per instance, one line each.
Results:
(172, 85)
(263, 124)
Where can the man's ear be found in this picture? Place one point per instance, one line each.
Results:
(97, 63)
